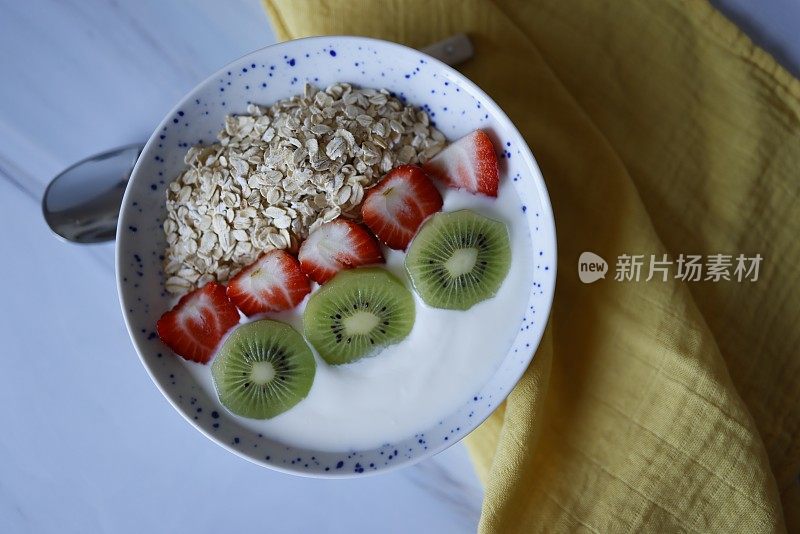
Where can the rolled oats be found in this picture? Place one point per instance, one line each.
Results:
(277, 173)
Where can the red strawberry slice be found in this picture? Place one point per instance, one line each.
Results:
(274, 282)
(470, 163)
(337, 245)
(396, 207)
(195, 326)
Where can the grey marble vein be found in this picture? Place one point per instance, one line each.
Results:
(17, 179)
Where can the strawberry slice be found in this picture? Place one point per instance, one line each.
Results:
(396, 207)
(337, 245)
(195, 326)
(274, 282)
(470, 163)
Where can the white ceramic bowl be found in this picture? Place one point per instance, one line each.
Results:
(455, 104)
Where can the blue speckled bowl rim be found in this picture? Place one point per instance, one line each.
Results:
(546, 212)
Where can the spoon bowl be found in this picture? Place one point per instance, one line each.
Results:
(82, 203)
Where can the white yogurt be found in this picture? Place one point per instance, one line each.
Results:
(408, 387)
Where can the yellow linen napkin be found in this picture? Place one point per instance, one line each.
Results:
(659, 128)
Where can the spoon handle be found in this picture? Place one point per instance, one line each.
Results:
(453, 51)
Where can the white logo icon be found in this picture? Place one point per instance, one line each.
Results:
(591, 267)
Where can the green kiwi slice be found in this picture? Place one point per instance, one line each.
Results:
(459, 259)
(357, 312)
(263, 369)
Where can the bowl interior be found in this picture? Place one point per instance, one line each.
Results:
(456, 106)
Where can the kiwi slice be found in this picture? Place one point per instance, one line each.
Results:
(357, 312)
(263, 369)
(459, 259)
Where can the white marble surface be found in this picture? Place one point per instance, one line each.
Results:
(87, 442)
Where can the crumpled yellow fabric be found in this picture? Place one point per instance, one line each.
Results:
(659, 128)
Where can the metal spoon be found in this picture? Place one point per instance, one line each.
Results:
(82, 203)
